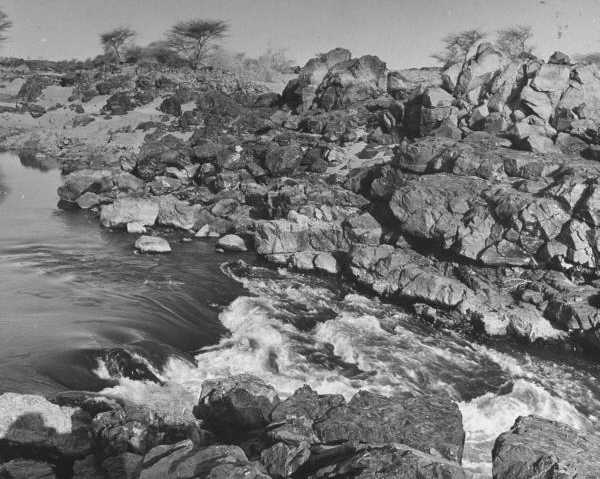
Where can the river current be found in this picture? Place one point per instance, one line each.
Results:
(71, 290)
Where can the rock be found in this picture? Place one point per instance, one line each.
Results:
(156, 156)
(286, 237)
(424, 154)
(152, 244)
(185, 461)
(88, 200)
(538, 102)
(124, 466)
(559, 58)
(180, 214)
(32, 426)
(326, 263)
(136, 228)
(79, 182)
(234, 405)
(300, 92)
(129, 210)
(282, 460)
(552, 78)
(118, 104)
(363, 229)
(396, 461)
(427, 423)
(283, 160)
(536, 447)
(351, 81)
(232, 243)
(406, 274)
(26, 469)
(540, 144)
(478, 70)
(171, 106)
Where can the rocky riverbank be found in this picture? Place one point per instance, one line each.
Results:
(469, 195)
(241, 428)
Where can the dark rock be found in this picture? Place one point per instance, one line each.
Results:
(536, 447)
(235, 405)
(25, 469)
(427, 423)
(123, 466)
(118, 104)
(283, 160)
(171, 106)
(156, 155)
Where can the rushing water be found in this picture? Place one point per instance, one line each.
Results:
(71, 290)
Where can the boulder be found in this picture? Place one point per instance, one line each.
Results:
(156, 156)
(283, 160)
(363, 229)
(431, 424)
(186, 461)
(26, 469)
(537, 447)
(79, 182)
(232, 243)
(118, 104)
(352, 81)
(180, 214)
(152, 244)
(129, 210)
(235, 405)
(171, 106)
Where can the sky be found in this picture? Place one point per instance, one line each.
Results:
(404, 33)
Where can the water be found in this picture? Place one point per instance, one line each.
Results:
(72, 290)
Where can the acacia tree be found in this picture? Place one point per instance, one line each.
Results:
(514, 41)
(5, 24)
(457, 45)
(114, 40)
(192, 39)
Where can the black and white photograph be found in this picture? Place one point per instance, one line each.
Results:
(299, 239)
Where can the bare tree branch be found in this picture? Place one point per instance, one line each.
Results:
(514, 41)
(457, 45)
(5, 25)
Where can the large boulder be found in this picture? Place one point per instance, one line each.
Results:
(478, 71)
(142, 211)
(300, 92)
(83, 181)
(352, 81)
(184, 460)
(406, 274)
(180, 214)
(283, 160)
(26, 469)
(156, 156)
(537, 447)
(432, 424)
(152, 244)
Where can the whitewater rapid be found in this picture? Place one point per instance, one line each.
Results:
(293, 329)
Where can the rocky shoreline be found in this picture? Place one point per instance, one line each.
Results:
(469, 194)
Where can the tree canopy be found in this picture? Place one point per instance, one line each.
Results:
(192, 39)
(114, 40)
(514, 41)
(457, 45)
(5, 25)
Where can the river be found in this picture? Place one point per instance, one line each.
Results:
(71, 291)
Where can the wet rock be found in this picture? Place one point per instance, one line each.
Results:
(235, 405)
(88, 200)
(232, 243)
(25, 469)
(122, 364)
(427, 423)
(536, 447)
(129, 210)
(152, 244)
(185, 461)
